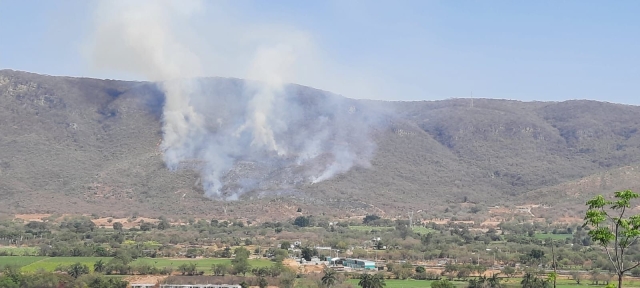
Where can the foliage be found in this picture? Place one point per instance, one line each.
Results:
(485, 282)
(371, 281)
(302, 221)
(531, 281)
(442, 284)
(78, 269)
(612, 230)
(329, 278)
(370, 218)
(241, 261)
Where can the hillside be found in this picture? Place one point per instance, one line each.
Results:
(92, 146)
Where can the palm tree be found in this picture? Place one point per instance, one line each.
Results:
(99, 266)
(473, 283)
(329, 279)
(366, 281)
(371, 281)
(378, 281)
(77, 270)
(494, 281)
(527, 280)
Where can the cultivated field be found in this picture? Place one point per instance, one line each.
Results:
(20, 261)
(370, 228)
(18, 251)
(553, 236)
(32, 263)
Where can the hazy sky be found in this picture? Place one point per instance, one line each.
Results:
(393, 50)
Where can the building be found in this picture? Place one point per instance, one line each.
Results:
(353, 263)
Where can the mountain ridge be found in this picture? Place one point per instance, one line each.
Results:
(94, 144)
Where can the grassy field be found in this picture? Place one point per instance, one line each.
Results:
(422, 230)
(50, 263)
(203, 264)
(370, 228)
(20, 261)
(32, 263)
(409, 283)
(19, 251)
(553, 236)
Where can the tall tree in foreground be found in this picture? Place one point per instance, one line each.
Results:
(329, 278)
(612, 230)
(371, 281)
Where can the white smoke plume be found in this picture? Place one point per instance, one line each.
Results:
(262, 134)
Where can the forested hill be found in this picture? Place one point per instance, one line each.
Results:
(92, 146)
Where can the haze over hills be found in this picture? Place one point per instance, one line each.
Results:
(78, 145)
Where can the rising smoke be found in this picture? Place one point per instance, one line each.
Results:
(262, 134)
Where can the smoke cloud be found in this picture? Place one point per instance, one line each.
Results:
(260, 134)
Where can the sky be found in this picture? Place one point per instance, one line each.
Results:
(389, 50)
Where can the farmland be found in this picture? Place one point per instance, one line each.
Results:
(32, 263)
(18, 251)
(552, 236)
(370, 228)
(20, 261)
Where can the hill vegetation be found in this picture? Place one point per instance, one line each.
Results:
(78, 145)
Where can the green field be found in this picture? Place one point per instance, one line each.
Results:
(203, 264)
(553, 236)
(370, 228)
(50, 263)
(19, 251)
(409, 283)
(422, 230)
(19, 261)
(33, 263)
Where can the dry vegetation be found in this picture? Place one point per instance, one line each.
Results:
(75, 145)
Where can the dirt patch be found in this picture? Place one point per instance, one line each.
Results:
(125, 221)
(309, 269)
(144, 279)
(32, 217)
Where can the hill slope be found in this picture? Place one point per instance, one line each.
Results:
(87, 145)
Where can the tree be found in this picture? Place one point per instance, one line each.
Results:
(370, 218)
(493, 281)
(288, 279)
(146, 226)
(329, 278)
(531, 281)
(117, 226)
(612, 230)
(420, 269)
(302, 221)
(443, 283)
(576, 276)
(509, 271)
(220, 269)
(371, 281)
(99, 266)
(307, 253)
(189, 269)
(241, 261)
(78, 269)
(285, 245)
(8, 283)
(262, 283)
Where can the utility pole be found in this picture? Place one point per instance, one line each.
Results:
(553, 256)
(411, 219)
